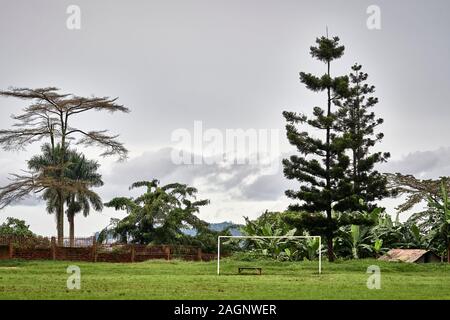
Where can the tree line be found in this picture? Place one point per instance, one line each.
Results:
(334, 163)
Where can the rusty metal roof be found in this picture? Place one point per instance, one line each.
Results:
(405, 255)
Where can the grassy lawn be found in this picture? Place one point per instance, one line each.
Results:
(198, 280)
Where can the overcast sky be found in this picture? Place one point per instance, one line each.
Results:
(230, 64)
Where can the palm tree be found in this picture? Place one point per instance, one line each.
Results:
(85, 171)
(82, 174)
(47, 165)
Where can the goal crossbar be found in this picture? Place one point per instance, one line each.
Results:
(268, 237)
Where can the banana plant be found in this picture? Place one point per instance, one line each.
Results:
(312, 245)
(361, 240)
(442, 206)
(274, 248)
(377, 246)
(413, 236)
(356, 238)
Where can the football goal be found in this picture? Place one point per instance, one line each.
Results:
(259, 238)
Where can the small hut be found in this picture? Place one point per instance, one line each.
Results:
(411, 256)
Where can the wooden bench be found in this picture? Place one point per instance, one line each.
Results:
(258, 270)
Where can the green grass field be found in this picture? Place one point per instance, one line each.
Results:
(198, 280)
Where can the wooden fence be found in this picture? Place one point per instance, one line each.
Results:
(87, 249)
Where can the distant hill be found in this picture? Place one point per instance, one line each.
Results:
(223, 225)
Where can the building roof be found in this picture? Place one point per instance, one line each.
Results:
(405, 255)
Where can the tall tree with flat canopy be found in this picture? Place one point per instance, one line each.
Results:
(49, 116)
(321, 164)
(358, 123)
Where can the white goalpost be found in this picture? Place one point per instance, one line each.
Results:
(268, 237)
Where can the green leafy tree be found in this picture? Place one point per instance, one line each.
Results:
(321, 164)
(16, 228)
(77, 169)
(358, 122)
(159, 215)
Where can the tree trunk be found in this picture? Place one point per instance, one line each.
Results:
(329, 236)
(60, 219)
(328, 178)
(71, 218)
(356, 151)
(330, 250)
(61, 180)
(448, 253)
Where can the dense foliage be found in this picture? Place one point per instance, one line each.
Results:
(374, 235)
(274, 224)
(16, 228)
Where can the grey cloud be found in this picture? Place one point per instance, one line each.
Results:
(249, 182)
(423, 164)
(269, 187)
(30, 201)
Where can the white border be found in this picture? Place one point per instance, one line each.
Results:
(268, 237)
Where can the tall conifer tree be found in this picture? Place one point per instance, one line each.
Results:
(358, 122)
(321, 164)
